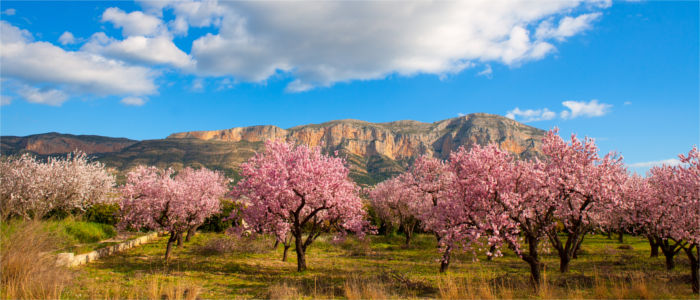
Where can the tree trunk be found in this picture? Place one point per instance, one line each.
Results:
(277, 242)
(694, 266)
(171, 240)
(610, 234)
(190, 233)
(532, 258)
(445, 262)
(409, 234)
(564, 261)
(578, 247)
(301, 256)
(491, 250)
(284, 254)
(668, 252)
(654, 247)
(179, 239)
(621, 237)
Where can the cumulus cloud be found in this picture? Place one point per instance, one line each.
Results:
(9, 12)
(66, 38)
(568, 27)
(649, 164)
(134, 23)
(159, 50)
(50, 73)
(333, 41)
(43, 96)
(575, 109)
(584, 109)
(531, 115)
(133, 101)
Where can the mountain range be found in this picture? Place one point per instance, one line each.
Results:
(374, 151)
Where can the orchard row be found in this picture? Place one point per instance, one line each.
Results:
(481, 199)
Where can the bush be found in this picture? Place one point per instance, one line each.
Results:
(220, 222)
(103, 213)
(29, 270)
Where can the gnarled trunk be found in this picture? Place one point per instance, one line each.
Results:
(445, 262)
(179, 239)
(301, 252)
(191, 232)
(533, 259)
(171, 240)
(694, 257)
(284, 253)
(654, 247)
(669, 252)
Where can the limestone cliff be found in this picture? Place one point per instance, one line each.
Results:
(395, 140)
(374, 151)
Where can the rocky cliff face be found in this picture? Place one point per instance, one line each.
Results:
(395, 140)
(374, 151)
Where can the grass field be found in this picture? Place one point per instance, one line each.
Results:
(376, 268)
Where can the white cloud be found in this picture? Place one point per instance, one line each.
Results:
(584, 109)
(66, 38)
(330, 42)
(187, 13)
(9, 12)
(461, 114)
(133, 101)
(576, 109)
(567, 27)
(134, 23)
(628, 103)
(45, 68)
(649, 164)
(531, 115)
(47, 96)
(159, 50)
(487, 72)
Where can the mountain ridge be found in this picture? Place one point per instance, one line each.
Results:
(374, 151)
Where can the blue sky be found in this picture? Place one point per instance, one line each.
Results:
(624, 73)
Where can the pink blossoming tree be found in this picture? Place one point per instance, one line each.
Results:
(301, 189)
(673, 212)
(581, 187)
(396, 204)
(157, 200)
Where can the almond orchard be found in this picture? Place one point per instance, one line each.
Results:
(482, 205)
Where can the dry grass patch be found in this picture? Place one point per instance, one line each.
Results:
(29, 269)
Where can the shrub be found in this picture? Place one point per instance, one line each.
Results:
(103, 213)
(221, 221)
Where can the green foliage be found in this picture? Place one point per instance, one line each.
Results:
(103, 213)
(71, 232)
(221, 221)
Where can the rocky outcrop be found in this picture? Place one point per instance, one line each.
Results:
(398, 140)
(374, 151)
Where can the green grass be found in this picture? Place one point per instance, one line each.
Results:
(603, 270)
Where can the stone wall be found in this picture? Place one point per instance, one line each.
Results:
(72, 260)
